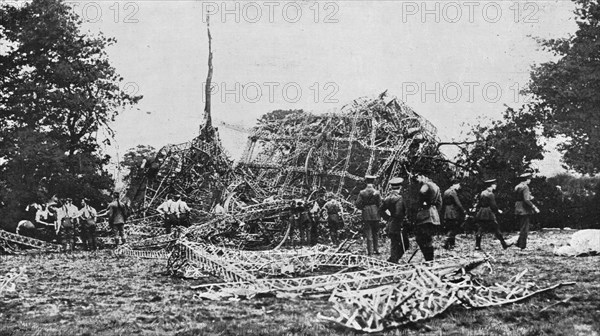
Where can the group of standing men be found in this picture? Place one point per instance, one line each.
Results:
(64, 220)
(394, 210)
(175, 212)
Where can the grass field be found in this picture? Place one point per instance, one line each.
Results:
(98, 293)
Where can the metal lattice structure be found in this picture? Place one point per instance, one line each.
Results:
(301, 152)
(7, 238)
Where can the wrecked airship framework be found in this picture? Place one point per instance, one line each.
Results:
(299, 155)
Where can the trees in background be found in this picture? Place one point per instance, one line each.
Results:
(565, 91)
(57, 90)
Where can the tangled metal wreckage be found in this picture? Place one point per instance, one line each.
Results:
(300, 155)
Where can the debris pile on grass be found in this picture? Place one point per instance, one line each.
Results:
(367, 294)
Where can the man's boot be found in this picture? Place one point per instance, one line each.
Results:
(428, 253)
(478, 243)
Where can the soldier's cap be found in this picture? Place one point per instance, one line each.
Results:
(396, 181)
(370, 177)
(525, 176)
(489, 182)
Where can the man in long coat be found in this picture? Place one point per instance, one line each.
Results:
(524, 208)
(453, 212)
(486, 216)
(369, 201)
(428, 217)
(393, 210)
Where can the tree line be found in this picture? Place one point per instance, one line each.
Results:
(58, 90)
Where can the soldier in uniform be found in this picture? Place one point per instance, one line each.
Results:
(334, 217)
(117, 216)
(369, 201)
(486, 216)
(453, 212)
(393, 210)
(428, 217)
(524, 208)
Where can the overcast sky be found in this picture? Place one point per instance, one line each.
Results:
(453, 62)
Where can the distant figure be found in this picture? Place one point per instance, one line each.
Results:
(169, 211)
(301, 220)
(453, 212)
(117, 217)
(369, 201)
(66, 218)
(524, 208)
(428, 217)
(334, 217)
(183, 211)
(486, 216)
(314, 212)
(88, 215)
(395, 205)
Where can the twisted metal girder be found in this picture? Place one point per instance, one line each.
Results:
(28, 241)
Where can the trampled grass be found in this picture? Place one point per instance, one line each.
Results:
(102, 294)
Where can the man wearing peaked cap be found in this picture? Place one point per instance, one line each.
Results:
(369, 201)
(453, 211)
(486, 216)
(393, 210)
(428, 217)
(524, 208)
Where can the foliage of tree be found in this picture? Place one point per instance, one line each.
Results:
(565, 91)
(57, 90)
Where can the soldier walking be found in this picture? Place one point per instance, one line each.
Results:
(369, 201)
(393, 210)
(428, 217)
(524, 208)
(486, 216)
(453, 212)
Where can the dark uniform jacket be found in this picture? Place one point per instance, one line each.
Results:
(487, 206)
(369, 201)
(395, 204)
(523, 205)
(116, 213)
(430, 199)
(453, 209)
